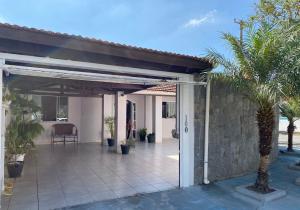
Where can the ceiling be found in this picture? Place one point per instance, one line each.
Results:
(67, 87)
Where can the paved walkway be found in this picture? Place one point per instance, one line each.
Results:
(73, 174)
(217, 196)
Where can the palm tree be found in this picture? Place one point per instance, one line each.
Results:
(256, 71)
(291, 110)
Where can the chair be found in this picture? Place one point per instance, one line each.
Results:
(66, 132)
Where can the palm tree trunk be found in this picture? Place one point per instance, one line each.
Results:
(290, 130)
(265, 119)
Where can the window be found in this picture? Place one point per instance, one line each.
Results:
(168, 109)
(62, 109)
(54, 108)
(48, 108)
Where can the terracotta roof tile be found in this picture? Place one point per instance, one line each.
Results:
(164, 88)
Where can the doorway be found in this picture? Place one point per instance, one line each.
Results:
(131, 127)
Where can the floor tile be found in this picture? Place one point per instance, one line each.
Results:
(70, 175)
(105, 195)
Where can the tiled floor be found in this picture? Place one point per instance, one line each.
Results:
(215, 196)
(71, 174)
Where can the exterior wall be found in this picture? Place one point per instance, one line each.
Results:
(148, 115)
(233, 137)
(86, 114)
(120, 120)
(108, 110)
(140, 109)
(91, 120)
(168, 124)
(74, 112)
(157, 118)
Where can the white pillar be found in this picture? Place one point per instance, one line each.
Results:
(186, 125)
(2, 123)
(148, 113)
(157, 118)
(120, 119)
(177, 109)
(5, 107)
(107, 111)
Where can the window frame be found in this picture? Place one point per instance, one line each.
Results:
(57, 109)
(165, 110)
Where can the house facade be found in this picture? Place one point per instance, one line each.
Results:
(87, 80)
(86, 113)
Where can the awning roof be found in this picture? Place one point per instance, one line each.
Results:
(29, 41)
(67, 87)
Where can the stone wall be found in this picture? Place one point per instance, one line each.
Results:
(233, 137)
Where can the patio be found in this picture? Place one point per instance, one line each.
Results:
(218, 196)
(68, 175)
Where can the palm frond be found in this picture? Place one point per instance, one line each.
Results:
(259, 65)
(290, 109)
(240, 55)
(218, 59)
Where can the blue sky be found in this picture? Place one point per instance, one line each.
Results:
(181, 26)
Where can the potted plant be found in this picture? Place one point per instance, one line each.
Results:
(151, 138)
(125, 147)
(143, 134)
(110, 123)
(15, 150)
(20, 133)
(175, 134)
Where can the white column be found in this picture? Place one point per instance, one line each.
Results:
(120, 119)
(2, 123)
(177, 109)
(186, 125)
(148, 113)
(157, 118)
(3, 128)
(107, 111)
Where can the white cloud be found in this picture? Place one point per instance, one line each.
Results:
(207, 18)
(2, 19)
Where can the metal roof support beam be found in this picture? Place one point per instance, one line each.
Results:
(87, 76)
(86, 65)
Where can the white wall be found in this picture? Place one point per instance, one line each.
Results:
(168, 124)
(74, 113)
(108, 110)
(120, 120)
(86, 114)
(140, 109)
(157, 118)
(45, 137)
(148, 115)
(91, 120)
